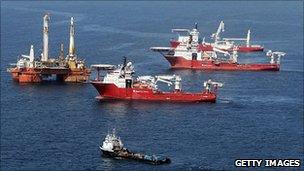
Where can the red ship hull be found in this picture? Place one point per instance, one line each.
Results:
(111, 91)
(180, 62)
(250, 48)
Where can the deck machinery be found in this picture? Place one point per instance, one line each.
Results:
(226, 44)
(68, 68)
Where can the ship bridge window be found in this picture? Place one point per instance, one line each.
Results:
(128, 83)
(194, 56)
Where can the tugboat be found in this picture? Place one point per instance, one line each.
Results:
(112, 147)
(119, 83)
(188, 52)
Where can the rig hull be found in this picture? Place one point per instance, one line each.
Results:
(180, 62)
(111, 91)
(35, 75)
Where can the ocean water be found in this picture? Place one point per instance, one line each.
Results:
(60, 126)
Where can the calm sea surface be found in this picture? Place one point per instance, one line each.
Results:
(60, 126)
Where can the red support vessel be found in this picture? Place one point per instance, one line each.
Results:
(119, 83)
(188, 52)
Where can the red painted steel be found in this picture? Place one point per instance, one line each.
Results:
(180, 62)
(111, 91)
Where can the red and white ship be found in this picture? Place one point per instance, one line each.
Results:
(188, 52)
(226, 44)
(119, 83)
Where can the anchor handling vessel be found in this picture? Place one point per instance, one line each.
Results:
(119, 83)
(112, 146)
(66, 69)
(187, 53)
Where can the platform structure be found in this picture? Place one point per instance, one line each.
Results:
(65, 68)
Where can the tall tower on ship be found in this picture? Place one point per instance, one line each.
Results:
(72, 39)
(45, 54)
(31, 56)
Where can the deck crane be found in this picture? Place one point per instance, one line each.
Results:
(212, 85)
(216, 36)
(232, 56)
(247, 39)
(275, 57)
(168, 79)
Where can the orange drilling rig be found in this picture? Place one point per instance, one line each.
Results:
(29, 69)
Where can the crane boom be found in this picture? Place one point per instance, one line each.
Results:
(221, 28)
(220, 51)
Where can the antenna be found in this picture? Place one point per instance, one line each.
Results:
(124, 61)
(195, 25)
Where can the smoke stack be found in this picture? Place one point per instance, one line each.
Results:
(72, 41)
(45, 54)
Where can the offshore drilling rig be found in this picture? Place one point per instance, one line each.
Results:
(29, 69)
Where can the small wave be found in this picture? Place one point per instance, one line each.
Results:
(224, 101)
(120, 46)
(271, 99)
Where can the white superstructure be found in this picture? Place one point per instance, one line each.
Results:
(111, 143)
(119, 75)
(27, 61)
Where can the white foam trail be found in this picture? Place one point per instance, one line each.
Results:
(106, 29)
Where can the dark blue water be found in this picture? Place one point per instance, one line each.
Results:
(60, 126)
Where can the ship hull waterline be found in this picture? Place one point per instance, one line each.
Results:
(111, 91)
(182, 63)
(131, 156)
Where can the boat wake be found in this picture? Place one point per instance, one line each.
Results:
(107, 29)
